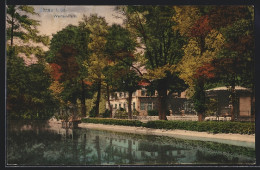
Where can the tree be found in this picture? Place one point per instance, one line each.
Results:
(235, 62)
(153, 27)
(229, 32)
(239, 49)
(121, 76)
(97, 61)
(67, 55)
(27, 85)
(21, 27)
(203, 45)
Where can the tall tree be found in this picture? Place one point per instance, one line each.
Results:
(153, 27)
(98, 30)
(67, 55)
(203, 45)
(20, 27)
(119, 50)
(27, 84)
(218, 35)
(235, 63)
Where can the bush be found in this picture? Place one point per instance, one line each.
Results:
(106, 114)
(153, 113)
(92, 112)
(135, 112)
(113, 121)
(213, 127)
(121, 114)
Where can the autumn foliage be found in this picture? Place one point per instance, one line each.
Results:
(205, 72)
(55, 71)
(201, 28)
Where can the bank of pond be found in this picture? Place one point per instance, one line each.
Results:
(42, 144)
(206, 126)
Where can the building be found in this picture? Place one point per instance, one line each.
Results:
(243, 102)
(143, 101)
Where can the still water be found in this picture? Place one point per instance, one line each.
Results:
(39, 143)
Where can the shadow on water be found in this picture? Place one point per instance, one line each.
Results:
(37, 143)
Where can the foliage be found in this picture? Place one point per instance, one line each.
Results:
(218, 34)
(153, 113)
(67, 55)
(135, 112)
(120, 74)
(20, 27)
(121, 114)
(211, 106)
(209, 126)
(106, 114)
(92, 112)
(28, 96)
(98, 29)
(113, 121)
(153, 27)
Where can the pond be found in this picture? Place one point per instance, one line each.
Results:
(38, 143)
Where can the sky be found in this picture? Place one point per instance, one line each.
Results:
(55, 18)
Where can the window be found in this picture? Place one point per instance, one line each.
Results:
(115, 106)
(150, 106)
(120, 94)
(143, 93)
(124, 105)
(111, 105)
(119, 106)
(142, 106)
(133, 93)
(133, 105)
(124, 94)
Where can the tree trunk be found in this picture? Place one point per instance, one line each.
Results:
(98, 98)
(12, 27)
(108, 101)
(200, 99)
(201, 117)
(162, 104)
(232, 91)
(130, 115)
(83, 100)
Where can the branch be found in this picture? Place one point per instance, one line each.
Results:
(145, 39)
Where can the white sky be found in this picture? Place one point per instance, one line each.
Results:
(50, 25)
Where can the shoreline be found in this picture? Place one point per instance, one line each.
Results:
(232, 139)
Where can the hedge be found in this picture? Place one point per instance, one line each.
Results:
(207, 126)
(113, 121)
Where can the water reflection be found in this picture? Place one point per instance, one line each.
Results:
(43, 144)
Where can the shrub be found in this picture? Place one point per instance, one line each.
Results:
(214, 127)
(92, 112)
(153, 113)
(135, 112)
(106, 114)
(209, 126)
(121, 114)
(113, 121)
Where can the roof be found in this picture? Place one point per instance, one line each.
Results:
(223, 88)
(144, 83)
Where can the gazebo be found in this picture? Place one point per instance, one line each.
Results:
(243, 101)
